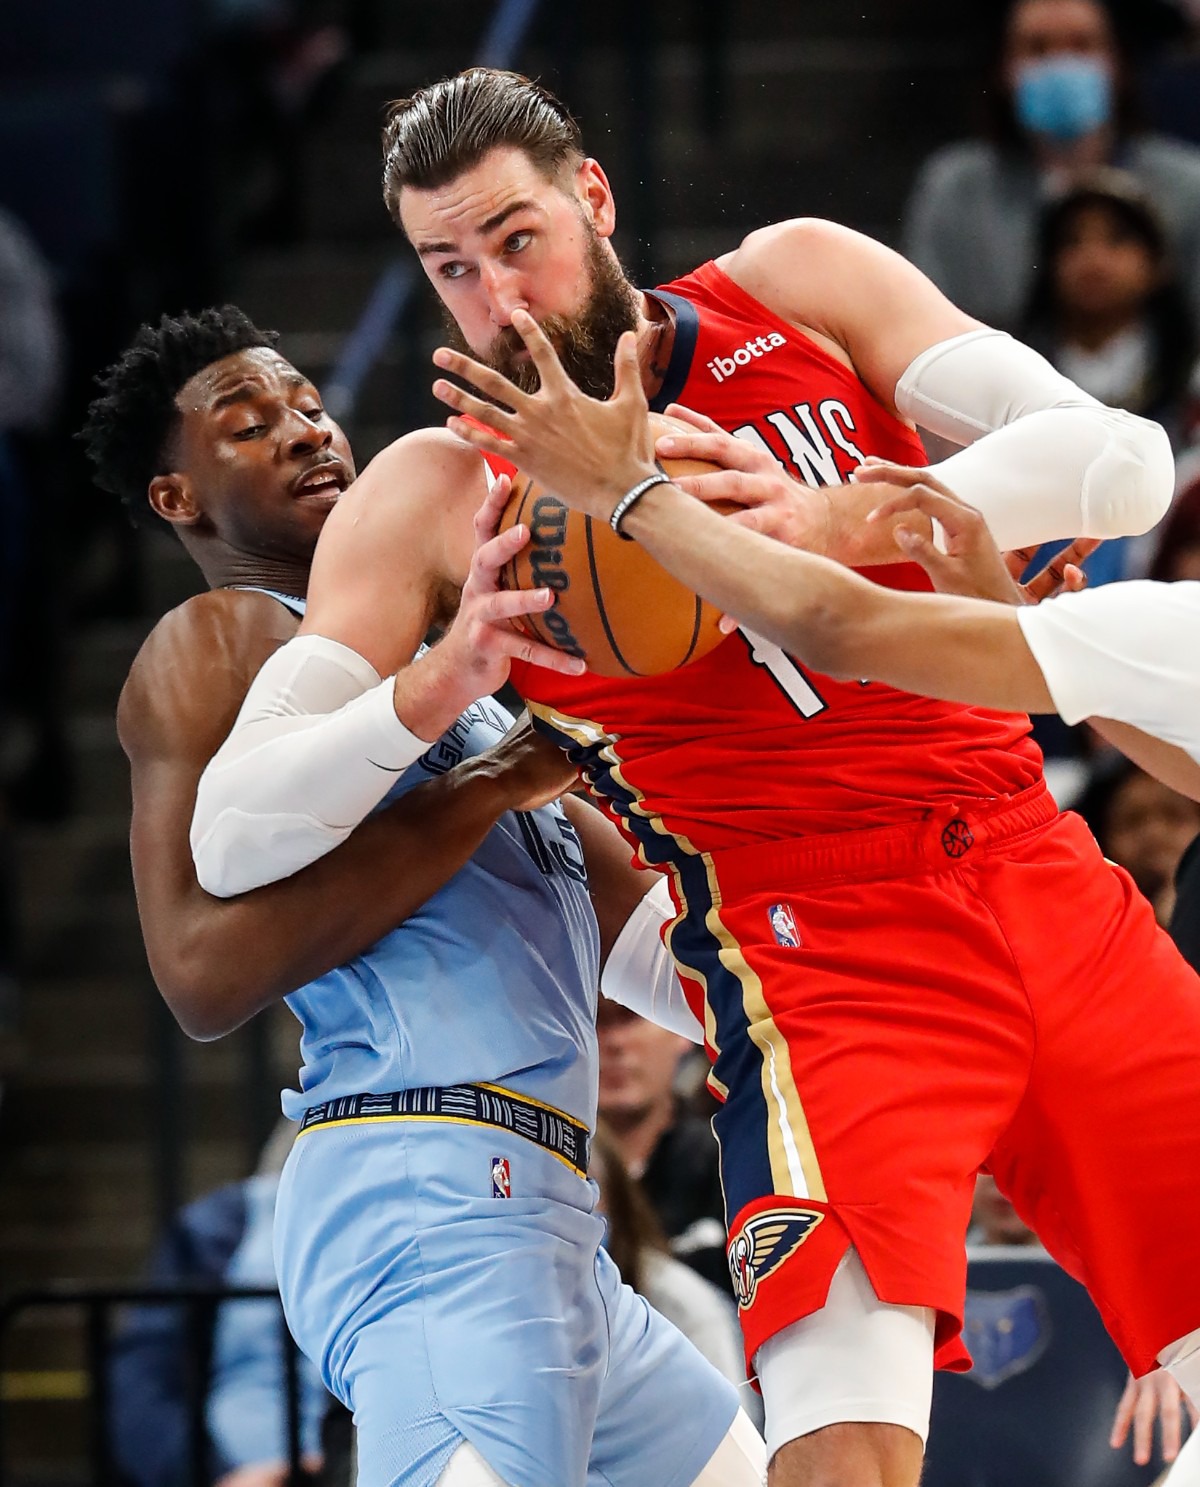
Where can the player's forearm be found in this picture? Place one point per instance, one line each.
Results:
(1166, 762)
(219, 961)
(962, 650)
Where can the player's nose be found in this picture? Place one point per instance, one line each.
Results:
(303, 434)
(505, 291)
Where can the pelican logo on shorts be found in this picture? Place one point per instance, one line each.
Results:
(783, 926)
(763, 1243)
(724, 366)
(957, 838)
(501, 1178)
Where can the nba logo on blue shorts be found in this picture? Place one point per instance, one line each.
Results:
(783, 926)
(501, 1178)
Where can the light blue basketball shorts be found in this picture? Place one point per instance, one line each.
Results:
(438, 1312)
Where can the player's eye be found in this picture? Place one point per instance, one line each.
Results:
(313, 414)
(517, 240)
(452, 270)
(251, 431)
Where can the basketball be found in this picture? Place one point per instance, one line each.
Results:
(614, 605)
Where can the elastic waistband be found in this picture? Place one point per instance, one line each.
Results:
(947, 837)
(464, 1104)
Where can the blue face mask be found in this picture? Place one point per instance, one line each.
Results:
(1064, 97)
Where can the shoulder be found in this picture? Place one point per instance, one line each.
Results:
(404, 499)
(198, 656)
(818, 274)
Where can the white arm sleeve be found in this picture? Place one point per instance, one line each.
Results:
(1043, 458)
(640, 973)
(314, 749)
(1127, 651)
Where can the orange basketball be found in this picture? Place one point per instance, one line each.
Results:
(614, 604)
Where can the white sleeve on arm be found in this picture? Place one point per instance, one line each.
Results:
(640, 972)
(1043, 459)
(1127, 651)
(315, 748)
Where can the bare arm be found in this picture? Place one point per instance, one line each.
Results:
(218, 961)
(863, 303)
(1166, 762)
(592, 452)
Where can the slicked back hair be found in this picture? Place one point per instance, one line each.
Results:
(129, 426)
(449, 127)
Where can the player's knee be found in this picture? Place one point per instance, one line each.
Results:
(853, 1454)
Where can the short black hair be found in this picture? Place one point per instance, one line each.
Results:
(129, 426)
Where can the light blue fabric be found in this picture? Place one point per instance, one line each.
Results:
(435, 1310)
(440, 1313)
(247, 1410)
(1062, 96)
(493, 980)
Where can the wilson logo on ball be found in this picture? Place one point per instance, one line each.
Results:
(614, 605)
(547, 534)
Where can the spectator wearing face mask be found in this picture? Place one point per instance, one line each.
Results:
(1062, 104)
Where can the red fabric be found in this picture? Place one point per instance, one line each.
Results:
(970, 983)
(1016, 1007)
(718, 752)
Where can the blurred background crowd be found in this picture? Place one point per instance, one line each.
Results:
(1040, 160)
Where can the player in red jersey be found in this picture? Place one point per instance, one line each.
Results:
(851, 867)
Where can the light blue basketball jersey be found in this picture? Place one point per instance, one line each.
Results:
(438, 1304)
(492, 981)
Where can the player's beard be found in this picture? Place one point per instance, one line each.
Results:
(586, 343)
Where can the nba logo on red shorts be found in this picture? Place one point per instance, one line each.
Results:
(501, 1178)
(783, 926)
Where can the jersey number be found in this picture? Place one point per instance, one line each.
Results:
(786, 675)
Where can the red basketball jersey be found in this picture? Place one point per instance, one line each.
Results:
(744, 745)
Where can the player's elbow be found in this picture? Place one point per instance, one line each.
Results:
(199, 1003)
(1128, 486)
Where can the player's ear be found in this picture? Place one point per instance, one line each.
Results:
(173, 498)
(593, 190)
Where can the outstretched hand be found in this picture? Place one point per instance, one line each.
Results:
(971, 564)
(587, 451)
(473, 658)
(1156, 1397)
(482, 635)
(771, 501)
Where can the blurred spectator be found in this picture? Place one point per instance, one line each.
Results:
(1185, 921)
(993, 1218)
(1177, 555)
(1062, 102)
(1105, 304)
(158, 1360)
(672, 1154)
(635, 1240)
(1107, 309)
(30, 376)
(274, 66)
(1144, 826)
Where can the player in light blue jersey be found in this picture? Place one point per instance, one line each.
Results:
(437, 1246)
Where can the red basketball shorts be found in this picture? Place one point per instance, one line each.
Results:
(892, 1010)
